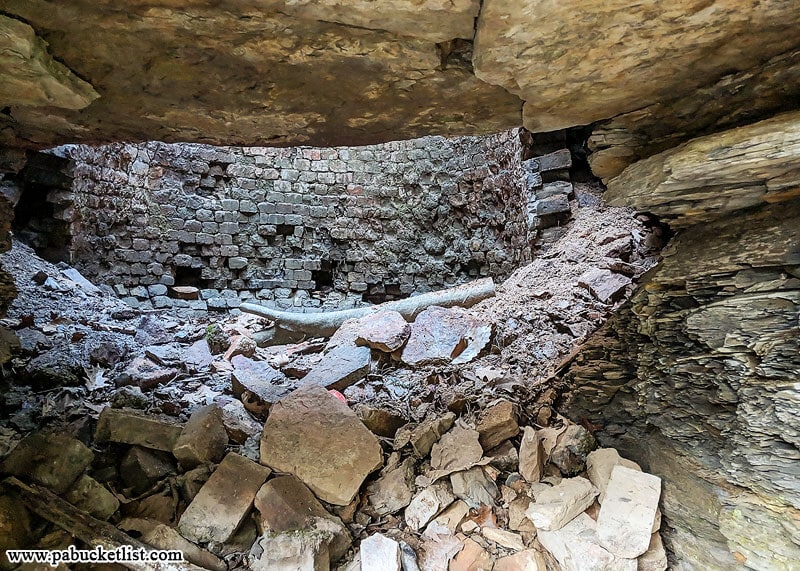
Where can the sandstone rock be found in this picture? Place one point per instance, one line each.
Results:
(185, 292)
(714, 175)
(474, 487)
(442, 335)
(393, 490)
(320, 440)
(517, 518)
(531, 455)
(380, 552)
(600, 463)
(456, 450)
(140, 468)
(240, 345)
(497, 423)
(438, 549)
(132, 427)
(203, 438)
(385, 331)
(257, 384)
(427, 504)
(504, 457)
(54, 460)
(197, 356)
(340, 368)
(164, 355)
(91, 497)
(527, 560)
(569, 453)
(192, 481)
(162, 536)
(452, 516)
(238, 423)
(286, 504)
(655, 558)
(576, 548)
(290, 551)
(557, 506)
(380, 421)
(625, 522)
(424, 436)
(145, 374)
(504, 538)
(472, 557)
(605, 285)
(216, 513)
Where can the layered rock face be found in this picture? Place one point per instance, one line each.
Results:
(697, 376)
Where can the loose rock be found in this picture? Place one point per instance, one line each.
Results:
(569, 454)
(133, 427)
(599, 465)
(557, 506)
(90, 496)
(340, 368)
(203, 438)
(576, 548)
(380, 552)
(497, 423)
(474, 487)
(53, 460)
(531, 455)
(393, 490)
(428, 504)
(385, 331)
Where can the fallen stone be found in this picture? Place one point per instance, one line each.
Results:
(140, 468)
(424, 436)
(576, 548)
(257, 384)
(527, 560)
(557, 506)
(238, 423)
(380, 421)
(458, 449)
(161, 536)
(441, 335)
(286, 504)
(203, 438)
(125, 426)
(185, 292)
(93, 498)
(218, 340)
(605, 285)
(54, 460)
(474, 487)
(316, 437)
(552, 205)
(655, 558)
(290, 551)
(504, 457)
(385, 331)
(453, 515)
(165, 355)
(197, 356)
(240, 345)
(77, 277)
(216, 513)
(504, 538)
(600, 463)
(380, 552)
(427, 504)
(472, 557)
(151, 331)
(558, 160)
(438, 549)
(517, 518)
(497, 423)
(192, 481)
(569, 453)
(625, 522)
(145, 374)
(15, 528)
(531, 455)
(393, 490)
(340, 368)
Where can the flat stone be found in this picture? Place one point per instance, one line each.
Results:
(625, 522)
(571, 449)
(517, 518)
(161, 536)
(497, 423)
(385, 331)
(92, 497)
(203, 439)
(140, 468)
(605, 285)
(504, 457)
(380, 552)
(216, 512)
(527, 560)
(472, 557)
(125, 426)
(552, 205)
(506, 539)
(286, 504)
(145, 373)
(599, 465)
(576, 548)
(531, 455)
(257, 384)
(291, 551)
(474, 487)
(197, 356)
(78, 278)
(316, 437)
(453, 515)
(238, 423)
(424, 436)
(557, 506)
(340, 368)
(164, 355)
(185, 292)
(457, 449)
(54, 460)
(240, 345)
(192, 481)
(393, 490)
(427, 504)
(439, 547)
(441, 335)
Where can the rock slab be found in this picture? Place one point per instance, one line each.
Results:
(557, 506)
(316, 437)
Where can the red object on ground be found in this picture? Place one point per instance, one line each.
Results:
(338, 395)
